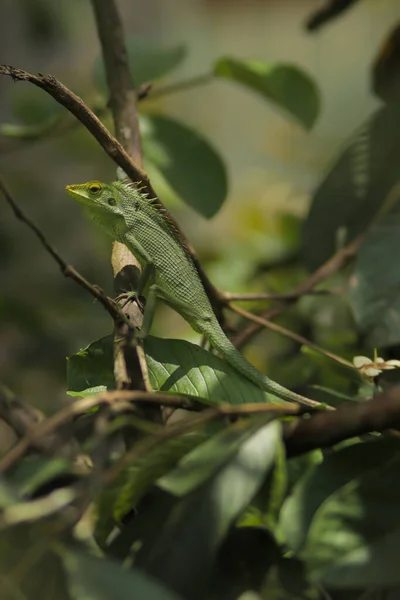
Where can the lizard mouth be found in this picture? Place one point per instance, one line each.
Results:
(77, 193)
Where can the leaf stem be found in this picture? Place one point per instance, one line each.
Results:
(180, 86)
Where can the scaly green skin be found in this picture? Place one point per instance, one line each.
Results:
(129, 217)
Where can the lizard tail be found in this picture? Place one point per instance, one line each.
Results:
(222, 344)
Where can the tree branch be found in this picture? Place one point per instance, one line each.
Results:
(128, 368)
(320, 429)
(122, 94)
(292, 335)
(333, 264)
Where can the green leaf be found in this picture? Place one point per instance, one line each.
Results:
(92, 578)
(375, 283)
(174, 366)
(354, 189)
(355, 535)
(206, 459)
(91, 368)
(179, 366)
(337, 469)
(117, 500)
(148, 59)
(287, 86)
(198, 524)
(188, 162)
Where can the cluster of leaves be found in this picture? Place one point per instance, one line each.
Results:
(210, 514)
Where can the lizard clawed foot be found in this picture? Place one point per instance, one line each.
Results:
(127, 297)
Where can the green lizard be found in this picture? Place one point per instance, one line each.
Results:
(168, 273)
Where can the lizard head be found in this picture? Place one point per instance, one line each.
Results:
(103, 203)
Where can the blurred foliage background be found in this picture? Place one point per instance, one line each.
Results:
(273, 166)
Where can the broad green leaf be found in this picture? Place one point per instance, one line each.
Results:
(355, 535)
(174, 366)
(148, 59)
(188, 162)
(91, 370)
(337, 469)
(287, 86)
(199, 523)
(140, 532)
(354, 188)
(206, 459)
(92, 578)
(375, 283)
(118, 499)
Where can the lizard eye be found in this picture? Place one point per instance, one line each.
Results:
(112, 201)
(94, 188)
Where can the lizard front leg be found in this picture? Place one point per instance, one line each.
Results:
(147, 273)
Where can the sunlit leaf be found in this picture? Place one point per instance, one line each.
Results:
(287, 86)
(174, 366)
(206, 459)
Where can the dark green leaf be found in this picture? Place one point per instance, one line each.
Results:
(117, 500)
(355, 535)
(91, 367)
(337, 469)
(375, 284)
(188, 162)
(287, 86)
(198, 525)
(148, 59)
(246, 556)
(174, 366)
(92, 578)
(206, 459)
(140, 531)
(355, 187)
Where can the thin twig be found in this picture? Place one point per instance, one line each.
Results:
(67, 270)
(180, 86)
(119, 77)
(291, 334)
(112, 398)
(332, 265)
(232, 297)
